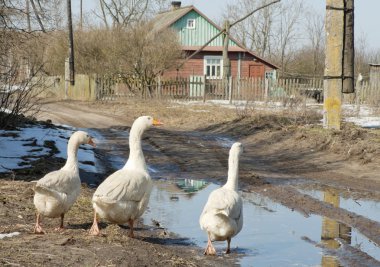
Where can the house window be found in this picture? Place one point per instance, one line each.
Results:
(213, 67)
(191, 23)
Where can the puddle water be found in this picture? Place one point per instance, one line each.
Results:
(272, 235)
(364, 207)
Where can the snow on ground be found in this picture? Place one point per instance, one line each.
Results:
(2, 236)
(363, 116)
(18, 148)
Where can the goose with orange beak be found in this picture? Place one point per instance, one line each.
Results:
(124, 195)
(57, 191)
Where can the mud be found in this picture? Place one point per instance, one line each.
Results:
(283, 152)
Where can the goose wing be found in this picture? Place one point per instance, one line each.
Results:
(123, 185)
(57, 181)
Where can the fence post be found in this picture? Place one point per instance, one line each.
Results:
(230, 89)
(204, 88)
(159, 87)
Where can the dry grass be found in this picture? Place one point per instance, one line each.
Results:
(191, 115)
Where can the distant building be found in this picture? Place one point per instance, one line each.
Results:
(194, 30)
(374, 75)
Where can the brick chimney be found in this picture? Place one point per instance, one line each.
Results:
(175, 5)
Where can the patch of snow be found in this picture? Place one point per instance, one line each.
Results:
(20, 147)
(2, 236)
(365, 122)
(5, 110)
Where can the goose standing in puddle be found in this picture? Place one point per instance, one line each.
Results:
(124, 195)
(57, 191)
(222, 216)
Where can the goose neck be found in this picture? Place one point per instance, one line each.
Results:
(233, 172)
(72, 158)
(136, 156)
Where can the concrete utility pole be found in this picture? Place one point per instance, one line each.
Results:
(334, 24)
(349, 52)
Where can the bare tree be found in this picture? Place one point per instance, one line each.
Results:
(362, 55)
(37, 14)
(315, 32)
(17, 79)
(287, 33)
(257, 30)
(123, 13)
(141, 55)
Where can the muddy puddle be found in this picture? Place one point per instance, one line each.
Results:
(272, 235)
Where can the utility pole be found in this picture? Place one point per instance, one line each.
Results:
(334, 23)
(226, 60)
(71, 44)
(81, 15)
(349, 52)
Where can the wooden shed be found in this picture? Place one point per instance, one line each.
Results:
(374, 75)
(194, 30)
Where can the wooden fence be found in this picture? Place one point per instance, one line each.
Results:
(200, 88)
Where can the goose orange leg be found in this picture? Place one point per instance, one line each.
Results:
(210, 250)
(60, 227)
(38, 228)
(130, 223)
(95, 227)
(228, 245)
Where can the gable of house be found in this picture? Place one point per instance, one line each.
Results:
(201, 32)
(194, 30)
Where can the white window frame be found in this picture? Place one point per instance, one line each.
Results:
(220, 65)
(190, 24)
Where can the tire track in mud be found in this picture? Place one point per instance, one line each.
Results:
(196, 154)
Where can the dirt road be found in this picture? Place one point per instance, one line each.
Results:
(280, 158)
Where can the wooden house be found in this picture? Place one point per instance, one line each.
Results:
(194, 30)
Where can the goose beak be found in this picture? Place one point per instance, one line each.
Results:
(157, 122)
(91, 142)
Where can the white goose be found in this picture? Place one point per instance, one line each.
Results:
(124, 195)
(222, 216)
(57, 191)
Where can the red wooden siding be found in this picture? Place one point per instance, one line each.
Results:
(249, 66)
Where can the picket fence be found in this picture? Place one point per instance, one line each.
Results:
(247, 89)
(93, 87)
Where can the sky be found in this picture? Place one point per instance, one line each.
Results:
(366, 15)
